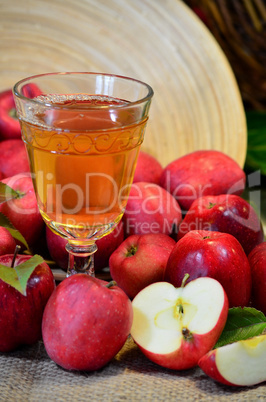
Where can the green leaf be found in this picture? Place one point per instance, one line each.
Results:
(7, 193)
(256, 123)
(242, 323)
(18, 276)
(5, 223)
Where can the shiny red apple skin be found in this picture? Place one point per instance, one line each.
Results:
(257, 260)
(148, 169)
(139, 261)
(194, 344)
(226, 213)
(150, 209)
(23, 212)
(56, 247)
(106, 245)
(200, 173)
(216, 255)
(190, 352)
(85, 324)
(9, 124)
(21, 316)
(7, 242)
(13, 159)
(208, 365)
(240, 363)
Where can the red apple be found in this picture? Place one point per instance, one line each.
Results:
(23, 211)
(9, 124)
(56, 247)
(240, 363)
(175, 327)
(7, 242)
(14, 158)
(201, 173)
(86, 323)
(106, 245)
(150, 209)
(31, 91)
(216, 255)
(148, 169)
(257, 260)
(21, 315)
(226, 213)
(139, 261)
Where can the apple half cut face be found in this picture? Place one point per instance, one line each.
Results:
(240, 363)
(175, 327)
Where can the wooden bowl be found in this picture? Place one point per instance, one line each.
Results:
(197, 103)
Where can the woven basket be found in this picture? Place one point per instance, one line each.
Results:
(197, 102)
(239, 26)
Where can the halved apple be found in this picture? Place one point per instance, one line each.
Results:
(175, 327)
(241, 363)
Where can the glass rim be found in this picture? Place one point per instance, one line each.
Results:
(19, 95)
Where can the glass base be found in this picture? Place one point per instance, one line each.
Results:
(81, 259)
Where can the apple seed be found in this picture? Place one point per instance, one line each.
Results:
(180, 309)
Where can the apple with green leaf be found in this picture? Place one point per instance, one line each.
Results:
(19, 205)
(240, 363)
(10, 236)
(7, 242)
(26, 283)
(239, 356)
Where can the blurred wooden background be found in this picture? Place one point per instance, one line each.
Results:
(197, 102)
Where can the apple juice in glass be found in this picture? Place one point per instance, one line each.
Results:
(82, 132)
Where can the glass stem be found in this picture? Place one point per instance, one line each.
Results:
(81, 259)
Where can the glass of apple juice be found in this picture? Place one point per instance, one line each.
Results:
(83, 133)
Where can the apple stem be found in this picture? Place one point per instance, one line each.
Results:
(15, 255)
(131, 251)
(110, 284)
(186, 276)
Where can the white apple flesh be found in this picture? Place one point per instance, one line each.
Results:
(175, 327)
(240, 363)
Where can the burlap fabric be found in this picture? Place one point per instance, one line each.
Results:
(28, 374)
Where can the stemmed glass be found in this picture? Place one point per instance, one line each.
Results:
(82, 132)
